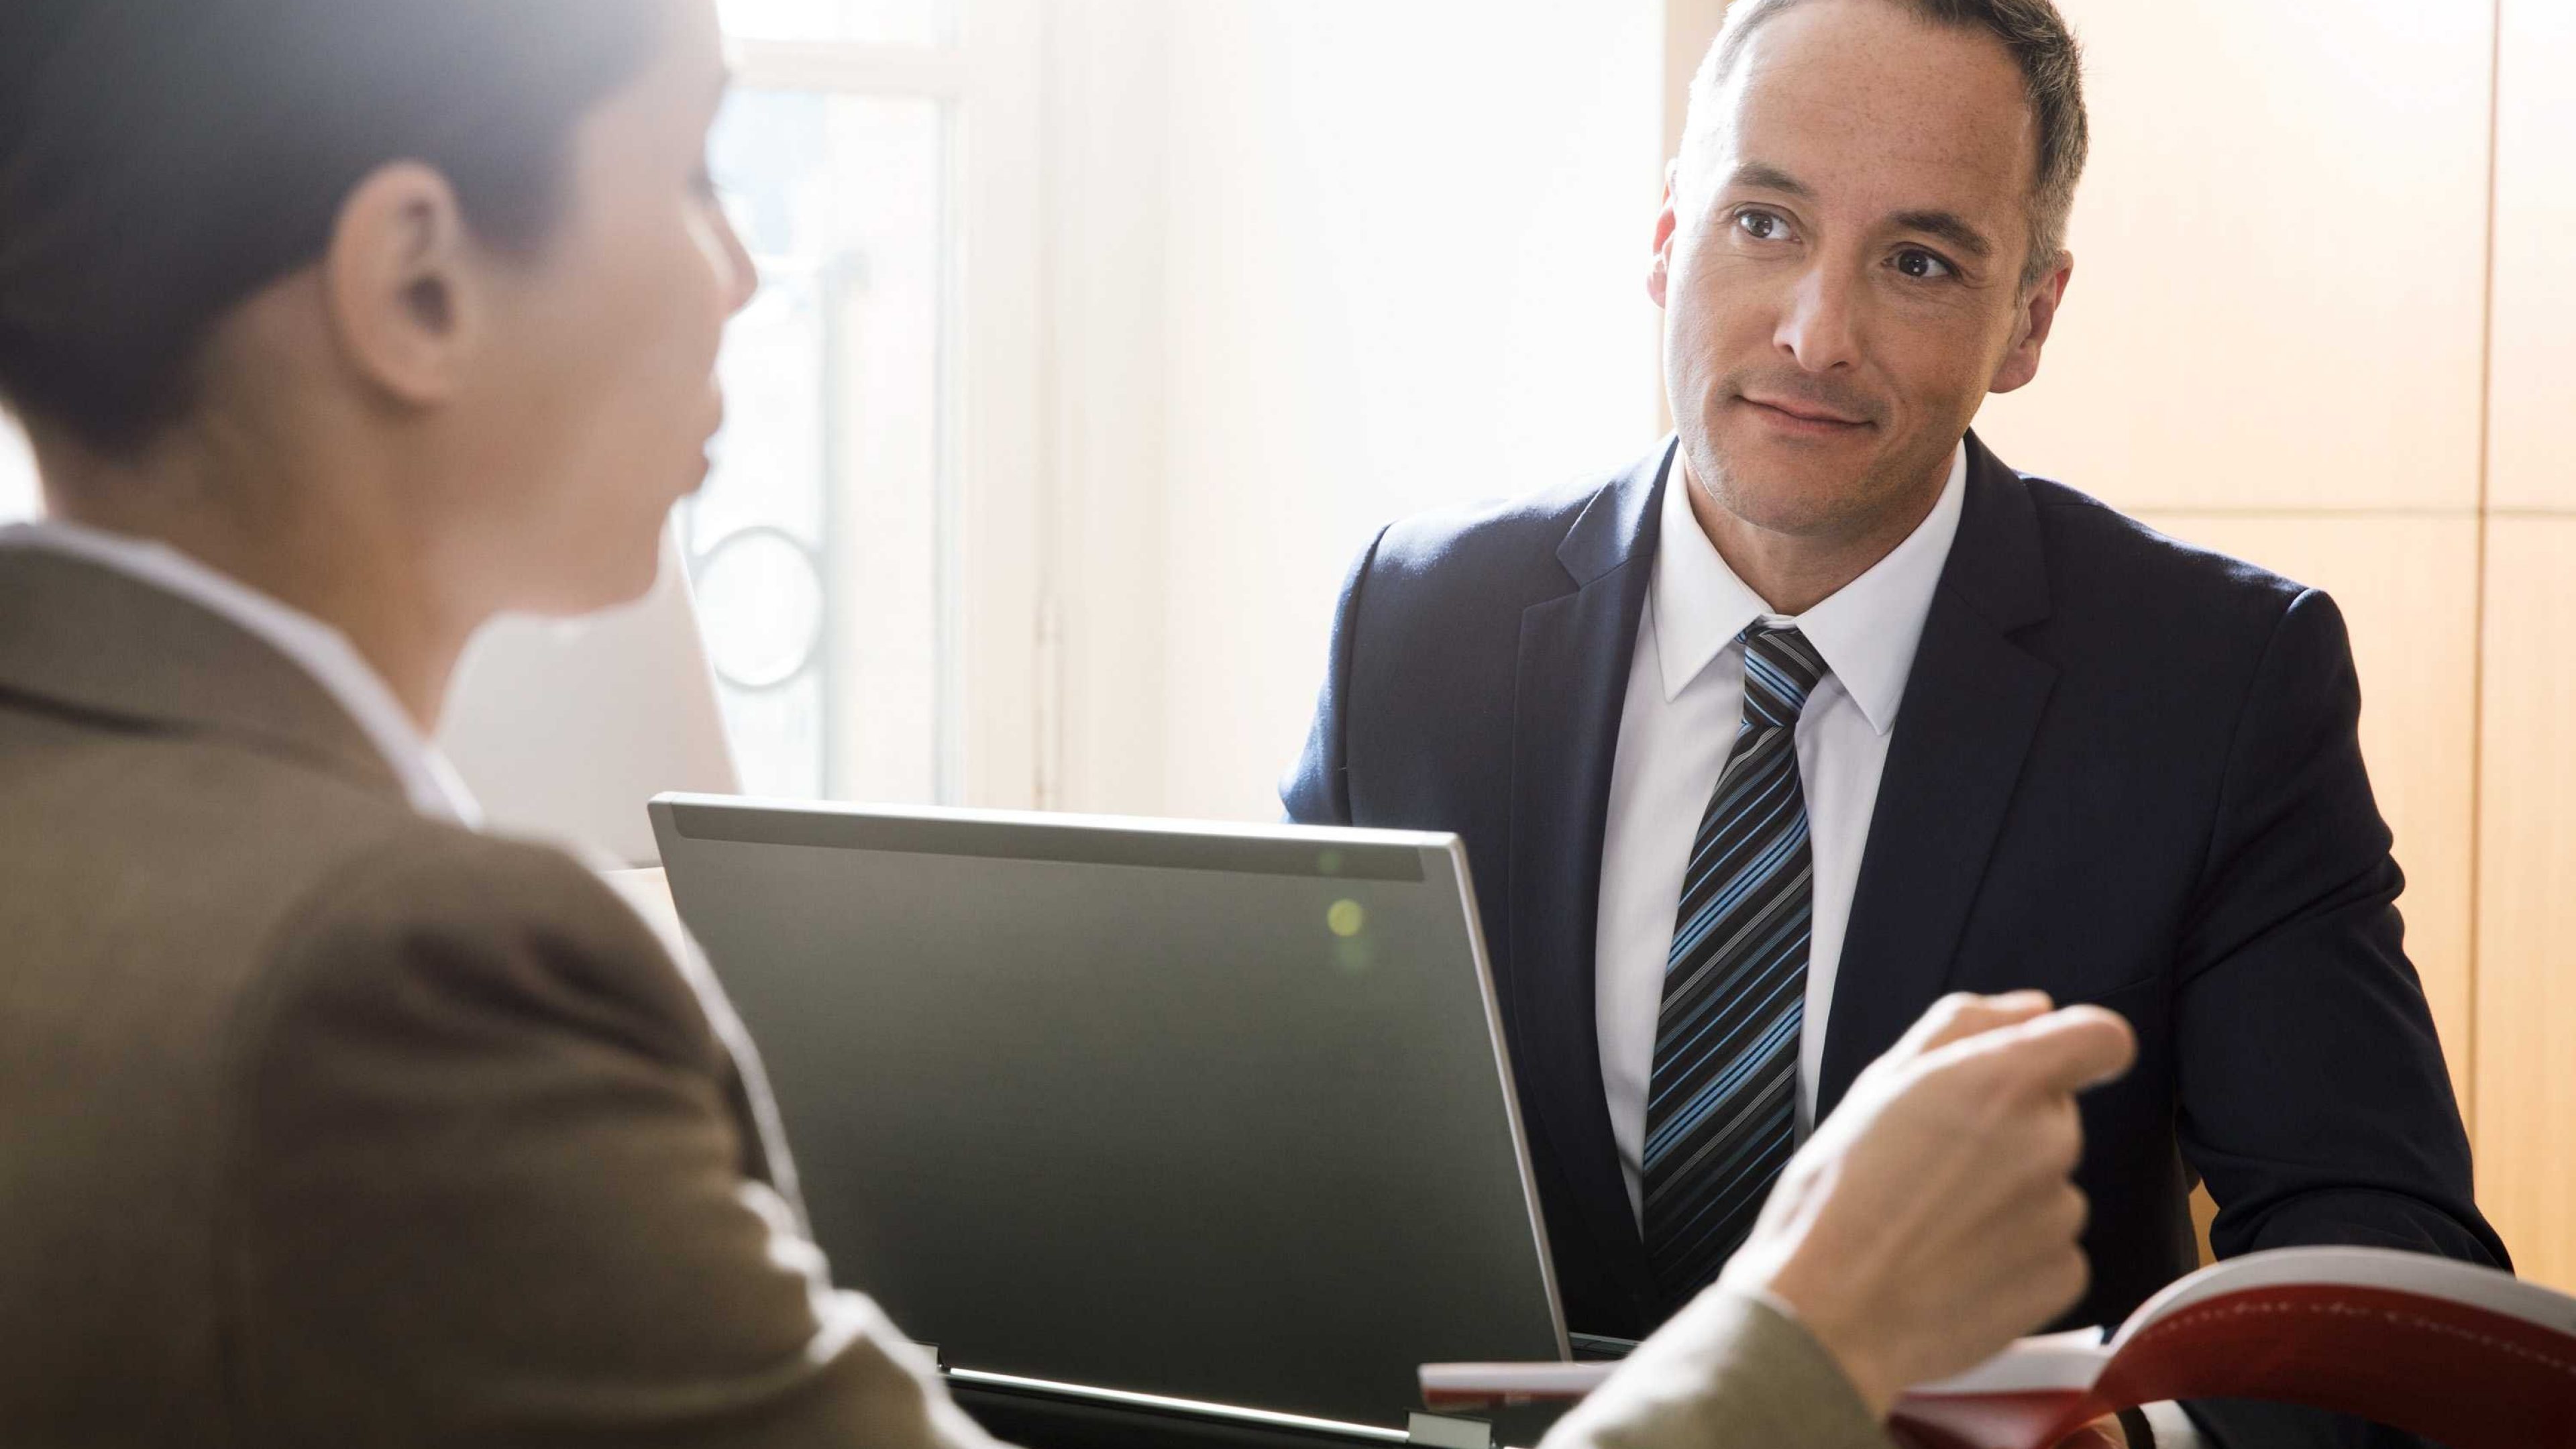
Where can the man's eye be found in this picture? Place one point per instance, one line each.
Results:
(1761, 225)
(1922, 265)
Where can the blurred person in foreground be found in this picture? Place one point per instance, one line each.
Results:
(339, 328)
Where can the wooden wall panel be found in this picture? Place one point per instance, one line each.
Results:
(2280, 259)
(2408, 589)
(2526, 1046)
(2532, 455)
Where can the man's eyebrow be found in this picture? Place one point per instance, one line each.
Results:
(1950, 227)
(1762, 176)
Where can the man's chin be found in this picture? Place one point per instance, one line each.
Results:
(1797, 491)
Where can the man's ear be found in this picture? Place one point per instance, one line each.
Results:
(401, 285)
(2031, 328)
(1659, 276)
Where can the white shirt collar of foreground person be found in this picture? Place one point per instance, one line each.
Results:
(1685, 698)
(321, 651)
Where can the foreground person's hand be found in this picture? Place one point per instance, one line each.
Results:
(1931, 1219)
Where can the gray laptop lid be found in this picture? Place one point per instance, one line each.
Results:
(1213, 1112)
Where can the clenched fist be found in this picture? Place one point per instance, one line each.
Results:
(1932, 1218)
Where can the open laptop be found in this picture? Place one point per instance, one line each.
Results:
(1211, 1112)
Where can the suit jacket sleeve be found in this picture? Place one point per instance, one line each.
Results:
(1731, 1372)
(490, 1182)
(1317, 790)
(2313, 1098)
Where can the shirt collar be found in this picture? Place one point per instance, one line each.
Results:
(1867, 631)
(429, 782)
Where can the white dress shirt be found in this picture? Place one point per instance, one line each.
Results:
(318, 649)
(1685, 699)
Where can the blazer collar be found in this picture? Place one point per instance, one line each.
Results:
(90, 641)
(1997, 568)
(1973, 706)
(1618, 525)
(1575, 650)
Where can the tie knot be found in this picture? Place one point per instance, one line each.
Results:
(1780, 670)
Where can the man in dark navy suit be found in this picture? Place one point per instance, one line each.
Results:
(1821, 710)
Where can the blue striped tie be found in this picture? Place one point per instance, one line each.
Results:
(1721, 1107)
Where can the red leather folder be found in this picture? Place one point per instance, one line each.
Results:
(2466, 1356)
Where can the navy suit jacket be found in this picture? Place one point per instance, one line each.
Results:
(2125, 770)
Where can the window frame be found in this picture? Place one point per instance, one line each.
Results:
(987, 77)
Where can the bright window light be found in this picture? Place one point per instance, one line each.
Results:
(818, 547)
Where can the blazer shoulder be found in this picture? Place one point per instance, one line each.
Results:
(488, 926)
(1485, 545)
(2102, 558)
(474, 1058)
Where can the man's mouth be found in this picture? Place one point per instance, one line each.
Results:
(1808, 414)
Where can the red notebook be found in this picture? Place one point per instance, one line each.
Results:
(2466, 1356)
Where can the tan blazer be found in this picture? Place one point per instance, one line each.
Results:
(322, 1124)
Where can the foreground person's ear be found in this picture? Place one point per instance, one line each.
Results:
(401, 285)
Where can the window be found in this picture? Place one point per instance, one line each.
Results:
(825, 549)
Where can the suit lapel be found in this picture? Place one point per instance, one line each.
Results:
(1972, 706)
(1575, 652)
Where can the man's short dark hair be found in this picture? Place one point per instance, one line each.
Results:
(163, 160)
(2052, 72)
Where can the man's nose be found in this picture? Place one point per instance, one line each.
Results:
(1821, 327)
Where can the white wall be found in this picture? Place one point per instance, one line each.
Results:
(1399, 262)
(18, 495)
